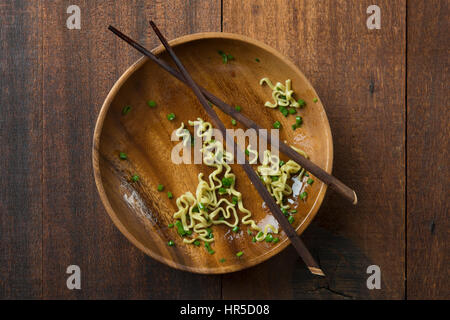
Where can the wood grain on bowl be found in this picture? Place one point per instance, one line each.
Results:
(142, 212)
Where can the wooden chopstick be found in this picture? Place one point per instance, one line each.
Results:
(310, 166)
(254, 178)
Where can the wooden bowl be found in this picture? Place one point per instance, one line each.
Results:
(138, 209)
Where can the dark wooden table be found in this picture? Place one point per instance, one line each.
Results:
(386, 95)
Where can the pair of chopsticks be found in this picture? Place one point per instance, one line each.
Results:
(203, 96)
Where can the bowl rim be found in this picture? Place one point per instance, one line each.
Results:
(97, 174)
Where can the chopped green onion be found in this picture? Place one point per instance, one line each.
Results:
(169, 195)
(227, 182)
(235, 199)
(249, 232)
(126, 109)
(235, 229)
(257, 59)
(294, 211)
(277, 125)
(230, 57)
(247, 152)
(151, 103)
(222, 260)
(123, 156)
(233, 122)
(275, 240)
(160, 187)
(239, 254)
(195, 209)
(170, 116)
(282, 163)
(269, 237)
(274, 178)
(310, 181)
(135, 178)
(285, 212)
(222, 190)
(306, 174)
(292, 111)
(315, 100)
(294, 126)
(298, 121)
(189, 232)
(259, 234)
(180, 228)
(291, 219)
(253, 239)
(238, 108)
(301, 103)
(208, 247)
(201, 206)
(303, 195)
(197, 243)
(170, 225)
(171, 243)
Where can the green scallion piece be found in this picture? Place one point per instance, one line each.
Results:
(291, 219)
(160, 187)
(235, 229)
(253, 239)
(294, 211)
(303, 195)
(233, 122)
(249, 232)
(208, 247)
(171, 243)
(180, 228)
(222, 260)
(310, 181)
(151, 103)
(274, 178)
(135, 178)
(298, 121)
(277, 125)
(235, 200)
(301, 103)
(292, 111)
(227, 182)
(239, 254)
(247, 152)
(269, 238)
(170, 116)
(294, 126)
(123, 156)
(238, 108)
(257, 60)
(285, 212)
(222, 190)
(315, 100)
(275, 240)
(170, 225)
(169, 195)
(196, 243)
(126, 109)
(282, 163)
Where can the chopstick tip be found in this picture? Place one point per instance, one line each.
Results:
(316, 271)
(355, 201)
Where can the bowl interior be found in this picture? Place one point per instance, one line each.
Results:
(143, 213)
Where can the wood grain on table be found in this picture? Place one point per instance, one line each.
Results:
(385, 92)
